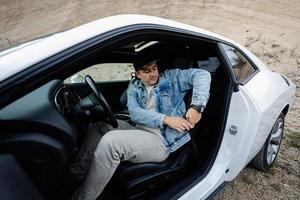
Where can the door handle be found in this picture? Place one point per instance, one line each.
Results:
(233, 130)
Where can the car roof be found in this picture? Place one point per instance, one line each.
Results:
(18, 58)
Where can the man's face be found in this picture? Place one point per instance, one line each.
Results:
(148, 74)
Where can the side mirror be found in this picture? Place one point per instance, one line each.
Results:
(236, 87)
(77, 79)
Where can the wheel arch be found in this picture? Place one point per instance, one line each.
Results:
(285, 109)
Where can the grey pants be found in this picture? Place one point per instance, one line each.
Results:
(100, 159)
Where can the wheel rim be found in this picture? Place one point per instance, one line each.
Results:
(274, 141)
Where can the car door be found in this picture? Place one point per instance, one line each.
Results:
(243, 116)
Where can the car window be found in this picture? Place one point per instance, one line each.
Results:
(105, 72)
(241, 66)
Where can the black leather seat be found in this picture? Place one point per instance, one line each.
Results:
(138, 180)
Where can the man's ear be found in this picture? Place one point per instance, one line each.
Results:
(137, 74)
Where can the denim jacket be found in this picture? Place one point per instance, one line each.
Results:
(169, 95)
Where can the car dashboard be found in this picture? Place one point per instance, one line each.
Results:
(35, 131)
(43, 109)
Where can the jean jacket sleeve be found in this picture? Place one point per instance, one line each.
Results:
(139, 114)
(197, 79)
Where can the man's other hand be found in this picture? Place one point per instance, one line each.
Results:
(193, 116)
(178, 123)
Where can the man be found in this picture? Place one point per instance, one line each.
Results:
(156, 105)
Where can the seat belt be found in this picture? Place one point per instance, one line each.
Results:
(193, 132)
(196, 152)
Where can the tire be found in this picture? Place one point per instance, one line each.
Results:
(266, 157)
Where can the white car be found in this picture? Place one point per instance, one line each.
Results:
(46, 108)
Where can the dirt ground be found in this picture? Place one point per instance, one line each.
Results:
(270, 29)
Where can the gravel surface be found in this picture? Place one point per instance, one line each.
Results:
(270, 29)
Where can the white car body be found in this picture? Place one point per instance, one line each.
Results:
(252, 112)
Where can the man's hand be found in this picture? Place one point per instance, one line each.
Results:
(178, 123)
(193, 116)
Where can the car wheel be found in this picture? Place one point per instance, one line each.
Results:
(266, 157)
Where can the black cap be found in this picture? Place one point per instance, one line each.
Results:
(145, 58)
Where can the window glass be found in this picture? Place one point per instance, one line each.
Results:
(105, 72)
(241, 67)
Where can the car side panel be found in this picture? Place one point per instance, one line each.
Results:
(271, 94)
(244, 114)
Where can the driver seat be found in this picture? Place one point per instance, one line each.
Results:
(136, 181)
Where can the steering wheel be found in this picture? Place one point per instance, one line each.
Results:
(112, 120)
